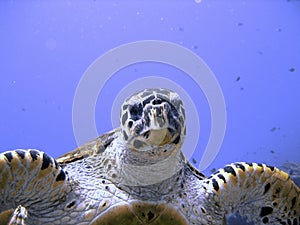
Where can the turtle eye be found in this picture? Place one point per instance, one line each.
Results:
(130, 123)
(136, 111)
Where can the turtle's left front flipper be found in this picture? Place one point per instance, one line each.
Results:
(264, 194)
(31, 179)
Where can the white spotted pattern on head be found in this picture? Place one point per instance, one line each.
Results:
(158, 112)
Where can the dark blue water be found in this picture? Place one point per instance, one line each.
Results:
(251, 47)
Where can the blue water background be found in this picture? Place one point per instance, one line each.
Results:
(252, 47)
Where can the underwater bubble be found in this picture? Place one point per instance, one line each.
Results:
(51, 44)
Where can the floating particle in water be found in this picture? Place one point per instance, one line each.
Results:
(23, 109)
(180, 28)
(195, 47)
(278, 29)
(51, 44)
(238, 78)
(240, 24)
(260, 52)
(194, 160)
(198, 1)
(292, 69)
(241, 88)
(273, 129)
(272, 151)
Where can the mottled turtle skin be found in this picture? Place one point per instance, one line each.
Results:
(137, 174)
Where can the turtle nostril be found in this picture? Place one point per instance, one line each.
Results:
(170, 130)
(146, 134)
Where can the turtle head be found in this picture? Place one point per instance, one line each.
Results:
(151, 118)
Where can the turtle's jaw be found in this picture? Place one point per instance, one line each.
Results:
(157, 137)
(150, 139)
(160, 137)
(148, 136)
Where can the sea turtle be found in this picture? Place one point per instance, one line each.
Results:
(137, 174)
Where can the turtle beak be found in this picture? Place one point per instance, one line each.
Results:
(161, 126)
(157, 137)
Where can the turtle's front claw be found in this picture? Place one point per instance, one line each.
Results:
(19, 216)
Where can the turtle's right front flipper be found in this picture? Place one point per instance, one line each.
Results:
(31, 179)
